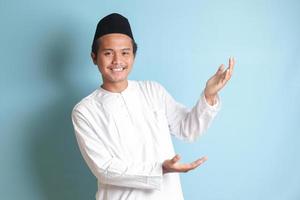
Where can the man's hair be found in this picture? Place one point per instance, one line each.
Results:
(96, 44)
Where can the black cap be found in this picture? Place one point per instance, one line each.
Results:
(113, 23)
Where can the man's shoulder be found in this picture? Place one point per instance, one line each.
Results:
(86, 102)
(149, 85)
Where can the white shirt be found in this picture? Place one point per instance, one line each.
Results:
(124, 138)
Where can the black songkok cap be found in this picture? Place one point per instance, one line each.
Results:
(113, 23)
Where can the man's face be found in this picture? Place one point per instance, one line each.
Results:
(114, 58)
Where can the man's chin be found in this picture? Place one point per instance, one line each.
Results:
(118, 80)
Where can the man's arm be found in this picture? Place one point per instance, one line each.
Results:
(213, 86)
(188, 124)
(114, 171)
(111, 170)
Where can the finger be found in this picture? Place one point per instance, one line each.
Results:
(199, 162)
(223, 76)
(231, 64)
(190, 166)
(226, 76)
(175, 159)
(220, 70)
(231, 61)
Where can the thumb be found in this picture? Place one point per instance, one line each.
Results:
(220, 70)
(175, 159)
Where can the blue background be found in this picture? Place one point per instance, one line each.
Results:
(253, 145)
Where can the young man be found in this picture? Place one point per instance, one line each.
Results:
(123, 128)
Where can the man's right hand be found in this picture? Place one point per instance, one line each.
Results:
(173, 165)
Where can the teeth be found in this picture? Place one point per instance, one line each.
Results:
(117, 69)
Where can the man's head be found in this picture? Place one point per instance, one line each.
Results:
(113, 48)
(113, 23)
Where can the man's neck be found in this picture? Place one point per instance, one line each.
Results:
(115, 87)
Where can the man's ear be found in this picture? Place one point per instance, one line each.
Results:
(94, 58)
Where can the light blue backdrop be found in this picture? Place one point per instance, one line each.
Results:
(253, 145)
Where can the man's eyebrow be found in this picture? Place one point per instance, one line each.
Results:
(107, 49)
(124, 49)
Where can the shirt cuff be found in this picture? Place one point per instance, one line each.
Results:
(156, 180)
(206, 105)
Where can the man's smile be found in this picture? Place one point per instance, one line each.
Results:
(117, 69)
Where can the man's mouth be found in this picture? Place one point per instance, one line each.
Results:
(117, 69)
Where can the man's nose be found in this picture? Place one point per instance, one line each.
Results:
(116, 58)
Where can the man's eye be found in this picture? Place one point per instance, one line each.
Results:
(125, 53)
(107, 53)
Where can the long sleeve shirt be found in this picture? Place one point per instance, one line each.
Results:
(125, 137)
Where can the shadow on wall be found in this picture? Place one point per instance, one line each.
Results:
(57, 163)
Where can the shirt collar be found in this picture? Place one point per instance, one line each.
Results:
(107, 96)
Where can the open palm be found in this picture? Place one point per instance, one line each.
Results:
(173, 165)
(219, 79)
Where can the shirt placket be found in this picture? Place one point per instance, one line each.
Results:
(125, 109)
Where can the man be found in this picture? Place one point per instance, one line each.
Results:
(123, 128)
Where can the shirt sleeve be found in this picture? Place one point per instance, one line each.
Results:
(109, 169)
(189, 124)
